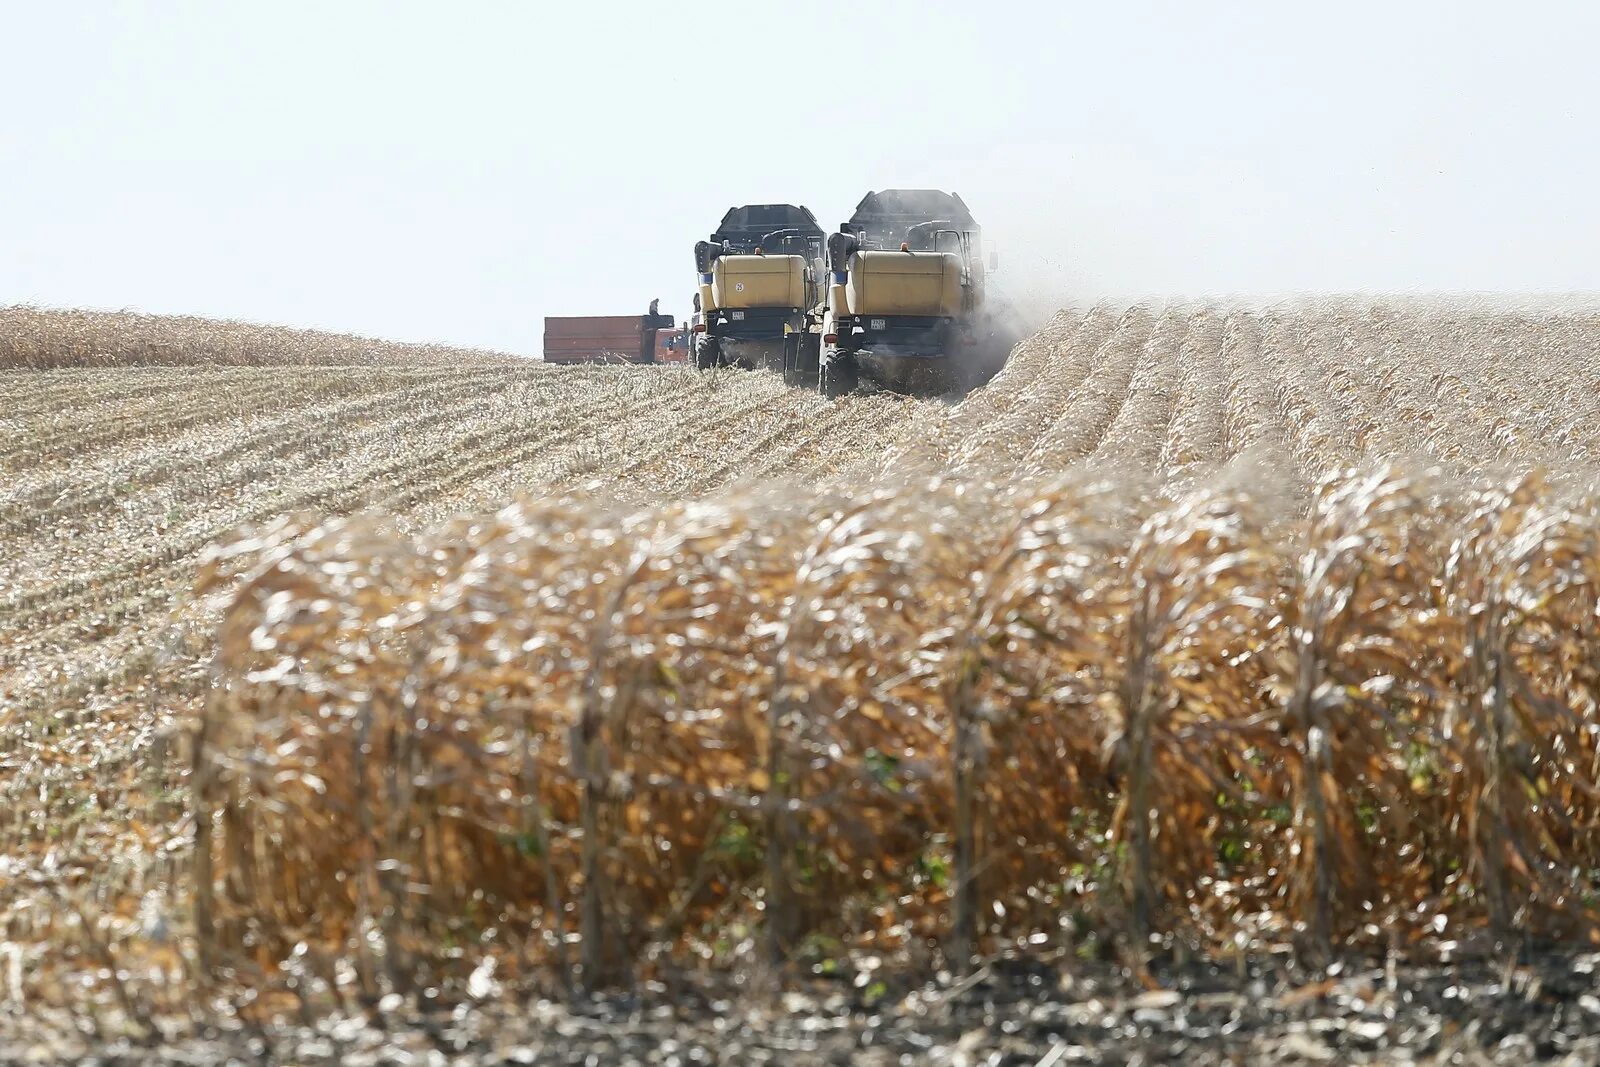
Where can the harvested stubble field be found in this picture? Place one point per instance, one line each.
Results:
(1205, 636)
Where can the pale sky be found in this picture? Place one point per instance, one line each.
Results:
(454, 172)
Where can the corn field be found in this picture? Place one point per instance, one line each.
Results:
(1203, 629)
(34, 338)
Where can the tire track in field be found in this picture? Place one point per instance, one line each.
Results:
(321, 445)
(108, 579)
(236, 391)
(77, 391)
(134, 587)
(518, 451)
(785, 450)
(68, 444)
(855, 440)
(275, 436)
(674, 446)
(562, 460)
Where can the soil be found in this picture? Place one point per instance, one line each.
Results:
(1009, 1012)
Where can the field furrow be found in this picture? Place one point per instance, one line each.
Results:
(1076, 428)
(199, 464)
(1197, 442)
(64, 445)
(369, 468)
(1006, 416)
(1137, 431)
(45, 398)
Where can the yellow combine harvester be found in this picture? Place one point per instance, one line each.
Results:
(904, 299)
(896, 297)
(757, 286)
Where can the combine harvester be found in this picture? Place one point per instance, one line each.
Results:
(757, 284)
(902, 305)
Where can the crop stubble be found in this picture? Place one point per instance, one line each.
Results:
(1221, 625)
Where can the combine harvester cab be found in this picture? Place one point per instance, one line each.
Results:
(757, 282)
(905, 288)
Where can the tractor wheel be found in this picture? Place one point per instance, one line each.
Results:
(773, 359)
(791, 360)
(838, 377)
(810, 359)
(707, 353)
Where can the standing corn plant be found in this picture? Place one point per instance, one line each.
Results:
(1037, 648)
(1205, 623)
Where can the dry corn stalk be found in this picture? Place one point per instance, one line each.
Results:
(933, 711)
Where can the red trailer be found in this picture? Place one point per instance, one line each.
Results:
(672, 346)
(605, 338)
